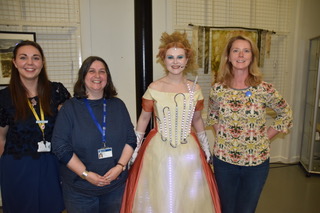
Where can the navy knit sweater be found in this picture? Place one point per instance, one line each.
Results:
(76, 132)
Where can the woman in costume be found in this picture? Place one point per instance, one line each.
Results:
(171, 171)
(28, 108)
(237, 111)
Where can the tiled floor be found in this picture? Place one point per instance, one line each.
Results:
(289, 190)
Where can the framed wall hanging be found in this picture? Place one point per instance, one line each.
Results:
(8, 40)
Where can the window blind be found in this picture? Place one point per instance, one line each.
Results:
(57, 27)
(272, 15)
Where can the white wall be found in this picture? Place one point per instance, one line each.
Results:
(162, 22)
(307, 27)
(107, 30)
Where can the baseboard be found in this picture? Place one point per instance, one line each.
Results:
(281, 159)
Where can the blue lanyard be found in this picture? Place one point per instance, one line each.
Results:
(102, 128)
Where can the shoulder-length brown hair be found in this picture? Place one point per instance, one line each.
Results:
(19, 91)
(178, 40)
(109, 90)
(225, 74)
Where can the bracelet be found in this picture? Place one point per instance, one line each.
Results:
(123, 166)
(84, 174)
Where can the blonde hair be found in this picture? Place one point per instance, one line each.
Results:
(177, 40)
(225, 74)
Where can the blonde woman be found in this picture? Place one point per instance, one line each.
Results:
(237, 111)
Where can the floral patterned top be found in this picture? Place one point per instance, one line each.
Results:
(242, 133)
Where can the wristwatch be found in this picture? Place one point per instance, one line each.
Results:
(123, 166)
(84, 174)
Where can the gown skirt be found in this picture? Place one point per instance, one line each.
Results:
(172, 180)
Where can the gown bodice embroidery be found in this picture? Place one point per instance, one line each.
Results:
(173, 114)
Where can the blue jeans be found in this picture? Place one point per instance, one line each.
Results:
(76, 202)
(239, 186)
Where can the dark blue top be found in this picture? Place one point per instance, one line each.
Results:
(29, 179)
(23, 135)
(76, 132)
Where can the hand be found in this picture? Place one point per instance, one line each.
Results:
(113, 173)
(140, 137)
(202, 136)
(96, 179)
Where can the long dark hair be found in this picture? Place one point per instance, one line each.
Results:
(109, 90)
(19, 91)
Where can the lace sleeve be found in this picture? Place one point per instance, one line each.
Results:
(61, 92)
(4, 120)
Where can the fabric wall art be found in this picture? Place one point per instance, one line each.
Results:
(209, 43)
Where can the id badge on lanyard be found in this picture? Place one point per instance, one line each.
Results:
(43, 146)
(104, 152)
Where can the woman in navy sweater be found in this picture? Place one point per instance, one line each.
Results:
(94, 140)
